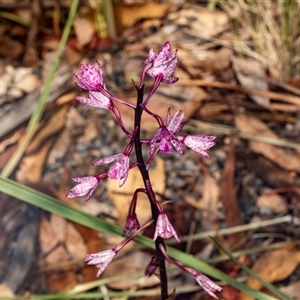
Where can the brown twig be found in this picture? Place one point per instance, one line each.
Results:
(229, 86)
(30, 58)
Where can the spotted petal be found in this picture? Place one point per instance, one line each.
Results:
(87, 185)
(90, 79)
(162, 64)
(199, 143)
(101, 259)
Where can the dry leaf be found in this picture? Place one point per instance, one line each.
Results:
(251, 75)
(53, 125)
(84, 29)
(230, 203)
(255, 127)
(121, 196)
(49, 244)
(273, 202)
(230, 293)
(90, 132)
(10, 140)
(127, 15)
(205, 22)
(292, 290)
(58, 254)
(190, 62)
(273, 266)
(61, 280)
(48, 238)
(75, 242)
(219, 60)
(27, 82)
(9, 145)
(131, 263)
(61, 145)
(270, 173)
(59, 226)
(95, 208)
(208, 204)
(31, 167)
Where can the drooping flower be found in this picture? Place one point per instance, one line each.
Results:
(199, 143)
(162, 64)
(87, 185)
(96, 99)
(132, 223)
(90, 78)
(119, 170)
(101, 259)
(164, 228)
(152, 266)
(208, 285)
(166, 134)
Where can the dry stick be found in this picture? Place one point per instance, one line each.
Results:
(31, 55)
(285, 86)
(229, 130)
(255, 250)
(229, 86)
(240, 228)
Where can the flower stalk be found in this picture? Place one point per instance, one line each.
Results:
(160, 66)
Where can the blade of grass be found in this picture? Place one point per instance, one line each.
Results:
(16, 19)
(254, 250)
(266, 284)
(212, 4)
(227, 231)
(108, 12)
(51, 204)
(34, 120)
(110, 294)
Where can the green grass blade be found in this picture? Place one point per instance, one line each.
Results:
(51, 204)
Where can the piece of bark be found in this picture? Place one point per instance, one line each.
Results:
(19, 223)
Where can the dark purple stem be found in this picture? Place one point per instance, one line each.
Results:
(155, 206)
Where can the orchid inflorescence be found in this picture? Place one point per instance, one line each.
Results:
(160, 66)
